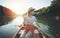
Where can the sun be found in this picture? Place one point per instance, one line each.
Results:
(18, 7)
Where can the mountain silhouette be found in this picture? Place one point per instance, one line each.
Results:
(6, 15)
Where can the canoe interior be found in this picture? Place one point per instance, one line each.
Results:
(36, 35)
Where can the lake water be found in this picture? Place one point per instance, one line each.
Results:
(7, 31)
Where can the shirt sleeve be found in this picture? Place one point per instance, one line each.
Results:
(25, 19)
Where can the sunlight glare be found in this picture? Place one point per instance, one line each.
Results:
(19, 7)
(18, 21)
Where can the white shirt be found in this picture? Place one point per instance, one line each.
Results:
(30, 20)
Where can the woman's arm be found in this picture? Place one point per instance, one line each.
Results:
(39, 29)
(24, 22)
(36, 22)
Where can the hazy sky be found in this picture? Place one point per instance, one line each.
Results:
(23, 5)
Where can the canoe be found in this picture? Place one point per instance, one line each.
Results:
(37, 34)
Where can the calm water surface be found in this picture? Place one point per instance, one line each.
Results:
(7, 31)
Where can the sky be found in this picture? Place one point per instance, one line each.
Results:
(21, 6)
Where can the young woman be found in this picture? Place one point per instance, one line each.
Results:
(28, 24)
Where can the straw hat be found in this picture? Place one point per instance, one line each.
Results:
(31, 9)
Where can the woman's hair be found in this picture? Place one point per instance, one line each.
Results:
(30, 9)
